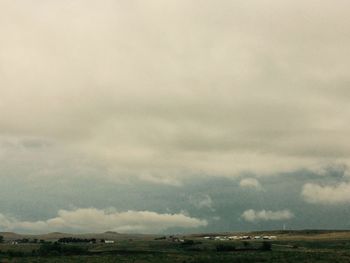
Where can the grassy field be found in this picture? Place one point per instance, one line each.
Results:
(293, 247)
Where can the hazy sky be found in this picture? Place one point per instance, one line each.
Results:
(178, 115)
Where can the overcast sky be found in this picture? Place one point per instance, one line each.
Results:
(175, 115)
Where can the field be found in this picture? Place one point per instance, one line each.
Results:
(293, 246)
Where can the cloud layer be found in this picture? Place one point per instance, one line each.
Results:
(159, 90)
(156, 94)
(95, 220)
(266, 215)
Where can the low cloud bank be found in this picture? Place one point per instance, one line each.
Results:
(96, 220)
(266, 215)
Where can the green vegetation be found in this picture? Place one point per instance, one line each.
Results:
(267, 246)
(225, 247)
(192, 250)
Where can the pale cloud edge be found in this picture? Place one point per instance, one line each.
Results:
(250, 183)
(202, 201)
(251, 215)
(327, 194)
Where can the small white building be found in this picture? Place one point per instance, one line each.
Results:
(109, 241)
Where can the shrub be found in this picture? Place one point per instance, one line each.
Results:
(160, 238)
(14, 253)
(225, 247)
(266, 246)
(47, 249)
(188, 242)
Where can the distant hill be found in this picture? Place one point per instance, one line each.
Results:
(9, 236)
(111, 235)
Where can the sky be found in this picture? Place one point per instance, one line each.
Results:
(177, 116)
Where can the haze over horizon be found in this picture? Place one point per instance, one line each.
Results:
(174, 116)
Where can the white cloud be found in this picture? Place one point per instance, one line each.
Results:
(250, 183)
(327, 194)
(266, 215)
(201, 201)
(94, 220)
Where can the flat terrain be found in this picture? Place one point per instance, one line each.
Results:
(290, 246)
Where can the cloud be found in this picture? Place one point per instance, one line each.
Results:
(266, 215)
(250, 183)
(327, 194)
(202, 201)
(161, 90)
(94, 220)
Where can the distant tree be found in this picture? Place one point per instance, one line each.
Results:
(246, 244)
(160, 238)
(1, 239)
(24, 240)
(76, 240)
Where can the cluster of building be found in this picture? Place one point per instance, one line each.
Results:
(108, 241)
(223, 238)
(176, 239)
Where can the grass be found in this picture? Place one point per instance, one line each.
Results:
(201, 251)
